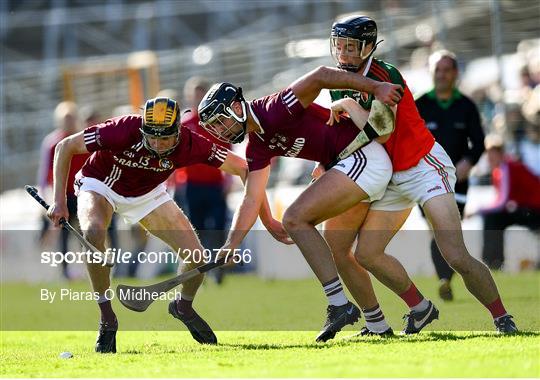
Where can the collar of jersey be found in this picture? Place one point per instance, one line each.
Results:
(445, 104)
(261, 130)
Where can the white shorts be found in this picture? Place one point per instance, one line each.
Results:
(433, 175)
(132, 209)
(370, 167)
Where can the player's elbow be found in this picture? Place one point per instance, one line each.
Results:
(243, 172)
(70, 146)
(63, 148)
(314, 80)
(241, 169)
(235, 165)
(320, 75)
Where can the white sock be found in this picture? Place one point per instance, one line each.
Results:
(375, 320)
(423, 305)
(334, 292)
(185, 298)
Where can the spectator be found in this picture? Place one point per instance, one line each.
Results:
(206, 187)
(529, 147)
(454, 121)
(517, 202)
(67, 122)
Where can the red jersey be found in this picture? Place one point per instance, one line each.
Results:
(45, 173)
(411, 140)
(514, 182)
(290, 130)
(201, 174)
(121, 161)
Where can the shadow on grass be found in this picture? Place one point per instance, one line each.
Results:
(354, 339)
(433, 336)
(466, 300)
(271, 346)
(345, 341)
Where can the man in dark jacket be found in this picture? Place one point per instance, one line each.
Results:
(454, 121)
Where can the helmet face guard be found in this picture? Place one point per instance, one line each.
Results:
(161, 120)
(355, 50)
(215, 112)
(350, 38)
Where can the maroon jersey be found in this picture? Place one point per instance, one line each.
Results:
(202, 174)
(288, 129)
(45, 173)
(121, 161)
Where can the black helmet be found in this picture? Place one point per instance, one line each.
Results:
(161, 118)
(216, 104)
(358, 30)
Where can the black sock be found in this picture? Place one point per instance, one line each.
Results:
(107, 313)
(185, 307)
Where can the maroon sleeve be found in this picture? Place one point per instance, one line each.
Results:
(114, 134)
(277, 109)
(257, 156)
(203, 151)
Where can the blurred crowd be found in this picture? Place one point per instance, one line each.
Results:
(515, 114)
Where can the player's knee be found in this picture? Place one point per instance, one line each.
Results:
(366, 259)
(292, 219)
(343, 260)
(95, 232)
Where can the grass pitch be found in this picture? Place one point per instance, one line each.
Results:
(162, 348)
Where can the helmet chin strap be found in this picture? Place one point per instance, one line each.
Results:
(364, 57)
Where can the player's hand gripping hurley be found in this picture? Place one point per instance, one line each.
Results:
(65, 224)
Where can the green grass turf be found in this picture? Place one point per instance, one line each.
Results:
(461, 344)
